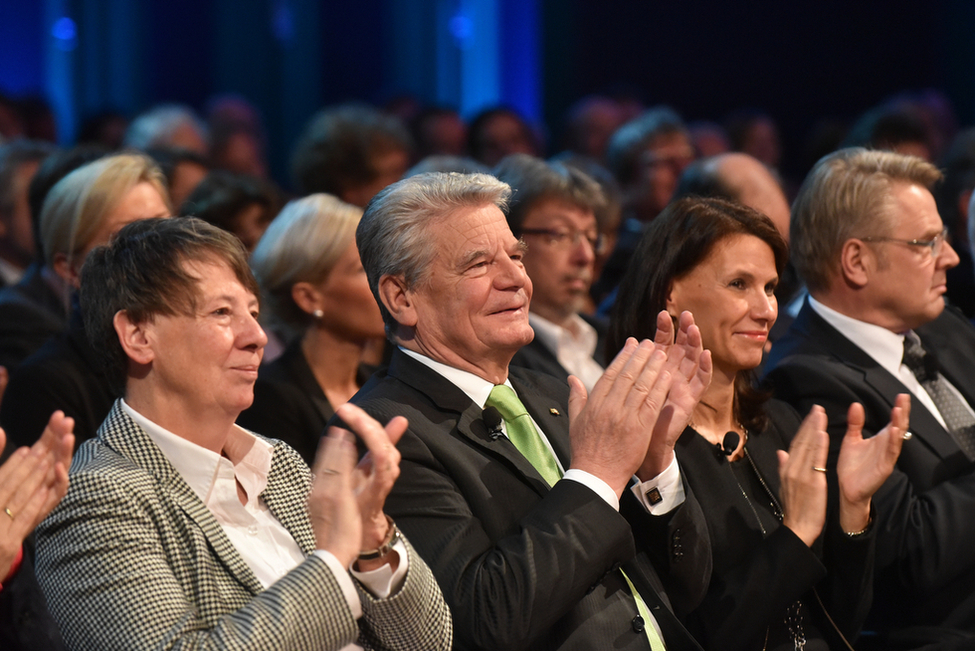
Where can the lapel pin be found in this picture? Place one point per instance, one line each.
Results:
(553, 411)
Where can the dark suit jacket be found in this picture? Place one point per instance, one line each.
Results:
(289, 404)
(30, 313)
(761, 567)
(66, 374)
(538, 357)
(521, 565)
(926, 509)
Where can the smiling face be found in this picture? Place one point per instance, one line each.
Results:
(207, 362)
(907, 284)
(470, 309)
(730, 294)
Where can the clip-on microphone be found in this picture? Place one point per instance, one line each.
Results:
(492, 420)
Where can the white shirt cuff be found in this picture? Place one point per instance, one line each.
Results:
(345, 581)
(666, 489)
(595, 484)
(383, 581)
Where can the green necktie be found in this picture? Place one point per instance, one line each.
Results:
(522, 433)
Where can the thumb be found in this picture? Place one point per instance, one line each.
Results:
(855, 420)
(578, 397)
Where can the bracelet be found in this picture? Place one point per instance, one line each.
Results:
(857, 534)
(392, 537)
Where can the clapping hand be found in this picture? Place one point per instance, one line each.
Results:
(864, 464)
(691, 378)
(802, 471)
(32, 482)
(347, 498)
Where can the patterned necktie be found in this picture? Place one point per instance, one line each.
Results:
(522, 433)
(959, 420)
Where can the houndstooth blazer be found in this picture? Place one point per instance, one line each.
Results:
(132, 559)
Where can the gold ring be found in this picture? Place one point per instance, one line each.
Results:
(10, 513)
(819, 469)
(330, 471)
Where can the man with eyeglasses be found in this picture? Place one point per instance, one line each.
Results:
(868, 241)
(552, 209)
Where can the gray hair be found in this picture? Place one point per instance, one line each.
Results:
(302, 244)
(845, 196)
(156, 127)
(394, 236)
(533, 180)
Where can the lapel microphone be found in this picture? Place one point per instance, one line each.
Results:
(730, 443)
(492, 420)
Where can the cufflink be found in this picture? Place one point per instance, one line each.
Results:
(653, 496)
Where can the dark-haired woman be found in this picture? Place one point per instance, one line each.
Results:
(788, 572)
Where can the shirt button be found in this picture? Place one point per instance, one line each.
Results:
(252, 530)
(638, 624)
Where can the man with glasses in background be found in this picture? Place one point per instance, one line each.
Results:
(553, 210)
(869, 243)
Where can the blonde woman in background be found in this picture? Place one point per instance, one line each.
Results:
(312, 284)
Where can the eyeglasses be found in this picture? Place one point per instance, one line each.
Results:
(569, 239)
(935, 244)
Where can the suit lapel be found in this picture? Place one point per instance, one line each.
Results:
(298, 368)
(122, 434)
(286, 498)
(470, 426)
(923, 423)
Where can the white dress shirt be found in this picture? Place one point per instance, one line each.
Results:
(573, 346)
(887, 349)
(262, 541)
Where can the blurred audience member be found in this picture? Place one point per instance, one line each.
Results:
(168, 126)
(19, 162)
(11, 126)
(36, 308)
(498, 132)
(184, 170)
(552, 208)
(237, 139)
(953, 195)
(709, 138)
(754, 133)
(240, 204)
(439, 131)
(105, 128)
(351, 151)
(742, 178)
(81, 212)
(589, 124)
(892, 129)
(459, 164)
(647, 155)
(38, 118)
(308, 268)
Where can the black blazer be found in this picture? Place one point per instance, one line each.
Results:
(66, 374)
(926, 509)
(30, 313)
(761, 568)
(521, 565)
(289, 404)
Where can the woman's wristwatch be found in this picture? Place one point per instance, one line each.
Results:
(392, 536)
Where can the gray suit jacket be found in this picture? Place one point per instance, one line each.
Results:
(132, 558)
